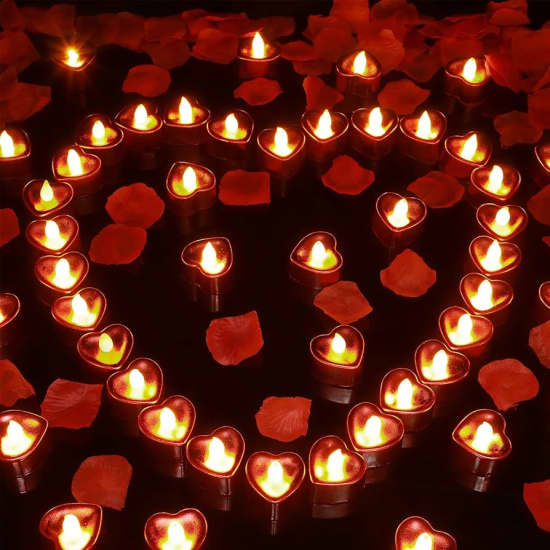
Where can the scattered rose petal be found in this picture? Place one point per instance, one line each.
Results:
(136, 205)
(130, 30)
(25, 101)
(237, 24)
(347, 176)
(355, 12)
(437, 189)
(283, 418)
(514, 127)
(231, 340)
(55, 21)
(539, 205)
(531, 49)
(546, 240)
(242, 188)
(8, 83)
(420, 65)
(408, 275)
(537, 497)
(332, 43)
(9, 226)
(216, 46)
(507, 18)
(117, 244)
(102, 480)
(316, 23)
(17, 50)
(70, 404)
(258, 91)
(503, 71)
(298, 51)
(539, 342)
(319, 95)
(168, 55)
(538, 104)
(13, 385)
(147, 80)
(387, 49)
(98, 29)
(454, 48)
(313, 68)
(402, 96)
(508, 382)
(397, 15)
(343, 301)
(277, 26)
(165, 29)
(11, 18)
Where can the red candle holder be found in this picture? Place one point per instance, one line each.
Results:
(142, 126)
(23, 449)
(79, 168)
(98, 135)
(373, 132)
(164, 429)
(358, 74)
(56, 236)
(467, 79)
(544, 301)
(469, 334)
(10, 308)
(190, 188)
(398, 220)
(494, 258)
(415, 533)
(498, 182)
(542, 164)
(337, 357)
(131, 389)
(464, 153)
(257, 58)
(501, 222)
(184, 529)
(44, 198)
(421, 136)
(15, 156)
(326, 134)
(185, 121)
(485, 296)
(230, 135)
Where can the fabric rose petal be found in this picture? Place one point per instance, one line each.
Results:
(437, 189)
(319, 95)
(347, 177)
(9, 226)
(258, 91)
(216, 46)
(539, 342)
(231, 340)
(343, 302)
(539, 205)
(147, 80)
(17, 50)
(242, 188)
(118, 244)
(102, 480)
(315, 67)
(355, 12)
(13, 385)
(24, 101)
(298, 50)
(283, 418)
(332, 43)
(137, 205)
(537, 497)
(386, 49)
(515, 127)
(168, 55)
(538, 107)
(402, 96)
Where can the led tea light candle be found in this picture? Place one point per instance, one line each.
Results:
(185, 121)
(326, 134)
(82, 170)
(498, 182)
(257, 58)
(463, 154)
(467, 79)
(373, 132)
(15, 154)
(486, 296)
(542, 164)
(97, 134)
(421, 136)
(494, 258)
(74, 59)
(358, 74)
(142, 127)
(10, 308)
(230, 135)
(184, 530)
(55, 236)
(415, 533)
(46, 198)
(501, 222)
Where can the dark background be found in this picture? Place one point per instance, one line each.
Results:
(171, 330)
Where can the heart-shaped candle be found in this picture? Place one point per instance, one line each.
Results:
(501, 222)
(191, 187)
(185, 121)
(73, 526)
(281, 151)
(542, 156)
(415, 533)
(326, 134)
(74, 58)
(97, 133)
(338, 356)
(275, 477)
(139, 119)
(464, 153)
(422, 134)
(62, 274)
(21, 433)
(359, 74)
(107, 350)
(544, 294)
(82, 311)
(400, 213)
(14, 145)
(236, 126)
(492, 257)
(46, 198)
(80, 168)
(437, 365)
(9, 308)
(54, 236)
(466, 79)
(470, 334)
(483, 295)
(375, 123)
(140, 383)
(498, 182)
(257, 58)
(184, 530)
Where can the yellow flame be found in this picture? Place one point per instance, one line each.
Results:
(7, 147)
(424, 541)
(231, 124)
(189, 180)
(209, 260)
(81, 314)
(469, 70)
(217, 458)
(482, 300)
(404, 398)
(141, 117)
(275, 483)
(463, 333)
(469, 148)
(503, 216)
(74, 163)
(54, 240)
(280, 143)
(360, 63)
(424, 128)
(98, 133)
(371, 433)
(258, 47)
(46, 192)
(16, 441)
(492, 261)
(496, 177)
(335, 468)
(137, 384)
(167, 423)
(177, 538)
(399, 216)
(374, 126)
(105, 343)
(318, 255)
(73, 59)
(439, 369)
(483, 437)
(185, 111)
(62, 276)
(324, 130)
(73, 536)
(338, 344)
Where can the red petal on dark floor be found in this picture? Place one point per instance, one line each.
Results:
(238, 24)
(242, 188)
(332, 43)
(17, 50)
(137, 205)
(347, 176)
(216, 46)
(11, 18)
(539, 107)
(493, 7)
(355, 12)
(26, 100)
(514, 127)
(117, 244)
(546, 240)
(258, 91)
(277, 26)
(537, 497)
(385, 47)
(312, 68)
(231, 340)
(402, 96)
(453, 48)
(539, 205)
(147, 80)
(508, 18)
(420, 65)
(55, 21)
(131, 30)
(13, 385)
(283, 418)
(102, 480)
(98, 29)
(508, 382)
(503, 71)
(316, 23)
(437, 189)
(70, 404)
(397, 15)
(9, 226)
(530, 50)
(165, 29)
(319, 95)
(168, 55)
(343, 301)
(8, 83)
(539, 342)
(298, 51)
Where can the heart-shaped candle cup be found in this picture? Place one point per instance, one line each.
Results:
(80, 312)
(10, 306)
(99, 135)
(485, 296)
(60, 275)
(190, 187)
(316, 265)
(74, 59)
(54, 525)
(55, 236)
(544, 294)
(403, 395)
(476, 148)
(498, 182)
(542, 159)
(363, 82)
(420, 141)
(142, 126)
(324, 149)
(80, 168)
(226, 142)
(45, 198)
(337, 357)
(185, 121)
(438, 366)
(467, 88)
(283, 160)
(188, 524)
(21, 146)
(16, 167)
(250, 66)
(372, 145)
(494, 258)
(412, 529)
(481, 442)
(501, 222)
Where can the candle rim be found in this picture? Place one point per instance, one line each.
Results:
(512, 207)
(122, 370)
(460, 375)
(503, 244)
(127, 114)
(15, 312)
(307, 124)
(87, 146)
(197, 265)
(340, 259)
(357, 364)
(507, 169)
(173, 105)
(27, 191)
(212, 121)
(427, 526)
(71, 222)
(88, 156)
(176, 166)
(359, 127)
(117, 367)
(411, 198)
(50, 257)
(43, 425)
(78, 328)
(289, 129)
(85, 51)
(475, 316)
(247, 41)
(497, 282)
(425, 407)
(483, 139)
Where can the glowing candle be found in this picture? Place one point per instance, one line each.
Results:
(469, 70)
(469, 148)
(73, 536)
(320, 257)
(16, 441)
(217, 458)
(73, 59)
(425, 130)
(98, 133)
(280, 143)
(358, 74)
(185, 111)
(399, 216)
(54, 240)
(439, 368)
(324, 130)
(360, 63)
(140, 117)
(63, 278)
(210, 263)
(232, 130)
(185, 530)
(7, 147)
(258, 47)
(275, 483)
(188, 182)
(371, 433)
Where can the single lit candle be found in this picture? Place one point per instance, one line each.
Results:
(142, 120)
(231, 128)
(483, 440)
(469, 148)
(402, 399)
(168, 426)
(73, 536)
(324, 130)
(375, 126)
(258, 47)
(217, 458)
(493, 260)
(53, 238)
(210, 263)
(185, 111)
(471, 73)
(334, 469)
(370, 435)
(399, 216)
(321, 257)
(73, 59)
(16, 441)
(280, 144)
(176, 538)
(439, 367)
(80, 314)
(463, 333)
(425, 129)
(424, 541)
(7, 146)
(275, 483)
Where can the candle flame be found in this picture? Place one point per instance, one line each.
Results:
(424, 541)
(98, 133)
(137, 384)
(217, 458)
(463, 333)
(81, 315)
(424, 128)
(399, 216)
(73, 536)
(492, 261)
(469, 148)
(338, 344)
(54, 240)
(209, 260)
(185, 111)
(371, 433)
(16, 441)
(484, 437)
(231, 124)
(167, 423)
(496, 177)
(46, 192)
(482, 300)
(324, 130)
(360, 63)
(189, 180)
(402, 399)
(73, 59)
(439, 369)
(469, 70)
(280, 143)
(141, 117)
(177, 538)
(333, 470)
(320, 257)
(63, 277)
(105, 343)
(503, 216)
(374, 126)
(258, 47)
(275, 483)
(7, 147)
(74, 163)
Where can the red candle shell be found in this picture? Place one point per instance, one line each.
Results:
(10, 306)
(408, 531)
(95, 300)
(423, 150)
(136, 138)
(192, 520)
(183, 133)
(202, 198)
(362, 85)
(323, 150)
(465, 91)
(109, 149)
(501, 296)
(68, 230)
(83, 184)
(282, 167)
(479, 183)
(542, 164)
(46, 273)
(486, 216)
(373, 147)
(224, 146)
(62, 195)
(454, 164)
(510, 256)
(481, 333)
(250, 67)
(544, 294)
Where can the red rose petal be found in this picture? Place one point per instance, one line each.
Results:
(347, 176)
(332, 43)
(117, 244)
(508, 382)
(385, 47)
(9, 226)
(17, 50)
(258, 91)
(503, 71)
(13, 385)
(355, 12)
(137, 205)
(539, 205)
(507, 17)
(283, 418)
(397, 15)
(319, 95)
(343, 302)
(165, 29)
(546, 240)
(277, 26)
(514, 127)
(402, 96)
(11, 18)
(168, 55)
(543, 81)
(312, 68)
(216, 46)
(420, 64)
(130, 30)
(102, 480)
(493, 7)
(437, 189)
(531, 49)
(70, 404)
(55, 21)
(231, 340)
(8, 83)
(147, 80)
(237, 24)
(98, 29)
(453, 48)
(539, 342)
(538, 104)
(408, 275)
(316, 23)
(242, 188)
(298, 51)
(25, 101)
(537, 497)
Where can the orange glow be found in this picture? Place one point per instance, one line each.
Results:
(231, 129)
(469, 148)
(258, 47)
(360, 63)
(98, 133)
(321, 257)
(73, 59)
(502, 225)
(142, 120)
(275, 483)
(482, 300)
(496, 177)
(334, 469)
(16, 441)
(53, 240)
(217, 458)
(280, 143)
(370, 435)
(74, 163)
(210, 263)
(187, 184)
(425, 130)
(484, 439)
(374, 126)
(337, 344)
(176, 538)
(46, 192)
(402, 399)
(324, 130)
(185, 111)
(469, 70)
(424, 541)
(63, 278)
(7, 146)
(80, 314)
(493, 261)
(399, 216)
(73, 536)
(463, 333)
(169, 427)
(439, 367)
(136, 383)
(105, 343)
